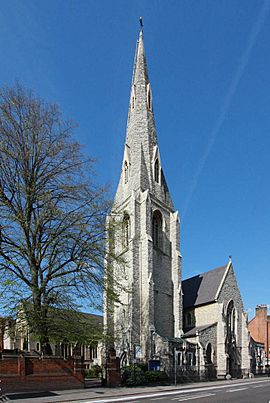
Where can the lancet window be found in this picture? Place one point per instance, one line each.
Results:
(209, 353)
(133, 97)
(156, 171)
(157, 229)
(149, 97)
(126, 171)
(231, 318)
(189, 319)
(126, 230)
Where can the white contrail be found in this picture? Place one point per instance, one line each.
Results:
(228, 99)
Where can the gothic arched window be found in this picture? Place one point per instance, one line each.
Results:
(189, 319)
(209, 353)
(231, 317)
(126, 173)
(157, 229)
(126, 230)
(156, 171)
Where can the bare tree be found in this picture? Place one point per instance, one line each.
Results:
(52, 216)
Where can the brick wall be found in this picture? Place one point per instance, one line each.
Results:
(20, 374)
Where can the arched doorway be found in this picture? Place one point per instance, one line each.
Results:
(210, 370)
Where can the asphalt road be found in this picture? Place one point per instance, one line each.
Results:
(241, 392)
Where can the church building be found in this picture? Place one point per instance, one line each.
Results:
(146, 325)
(215, 320)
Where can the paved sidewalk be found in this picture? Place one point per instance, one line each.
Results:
(79, 395)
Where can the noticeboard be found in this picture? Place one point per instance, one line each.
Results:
(154, 365)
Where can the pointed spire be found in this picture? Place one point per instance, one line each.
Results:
(141, 23)
(141, 149)
(140, 67)
(141, 96)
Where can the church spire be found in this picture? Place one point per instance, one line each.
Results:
(140, 73)
(140, 126)
(140, 169)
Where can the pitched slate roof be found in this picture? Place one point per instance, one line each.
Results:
(202, 289)
(193, 332)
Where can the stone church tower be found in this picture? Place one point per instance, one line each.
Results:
(145, 236)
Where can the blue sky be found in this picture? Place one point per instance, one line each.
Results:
(208, 63)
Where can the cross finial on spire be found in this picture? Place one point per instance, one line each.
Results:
(141, 23)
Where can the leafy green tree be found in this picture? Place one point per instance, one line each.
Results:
(52, 215)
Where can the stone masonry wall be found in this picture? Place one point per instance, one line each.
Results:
(206, 314)
(230, 291)
(209, 335)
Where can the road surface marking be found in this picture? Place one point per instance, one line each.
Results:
(258, 386)
(235, 390)
(165, 393)
(187, 397)
(195, 397)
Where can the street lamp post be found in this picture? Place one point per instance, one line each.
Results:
(152, 335)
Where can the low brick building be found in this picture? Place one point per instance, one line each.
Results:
(259, 328)
(15, 335)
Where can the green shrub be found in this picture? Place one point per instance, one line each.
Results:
(156, 376)
(93, 372)
(132, 375)
(138, 375)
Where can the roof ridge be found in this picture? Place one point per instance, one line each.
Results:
(200, 274)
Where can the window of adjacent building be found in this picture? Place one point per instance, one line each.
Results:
(126, 173)
(93, 352)
(157, 229)
(126, 230)
(156, 171)
(25, 344)
(190, 358)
